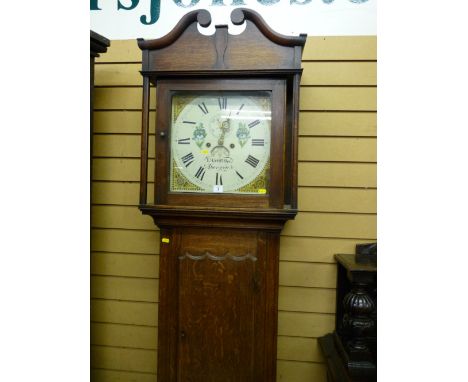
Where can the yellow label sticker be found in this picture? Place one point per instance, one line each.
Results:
(262, 191)
(165, 240)
(204, 152)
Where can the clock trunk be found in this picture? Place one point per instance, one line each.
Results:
(219, 305)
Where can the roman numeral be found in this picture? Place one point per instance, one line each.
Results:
(203, 108)
(187, 160)
(258, 142)
(239, 175)
(189, 122)
(252, 161)
(200, 173)
(238, 111)
(219, 179)
(254, 123)
(184, 141)
(222, 102)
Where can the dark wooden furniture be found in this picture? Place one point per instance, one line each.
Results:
(219, 250)
(98, 44)
(351, 350)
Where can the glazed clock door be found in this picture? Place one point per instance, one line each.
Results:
(215, 141)
(220, 293)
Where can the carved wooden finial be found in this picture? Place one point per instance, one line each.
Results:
(202, 16)
(238, 16)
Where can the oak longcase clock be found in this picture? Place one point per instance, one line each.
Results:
(225, 183)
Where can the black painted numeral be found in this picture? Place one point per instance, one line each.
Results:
(189, 122)
(184, 141)
(258, 142)
(238, 111)
(219, 179)
(254, 123)
(222, 102)
(239, 175)
(200, 173)
(187, 160)
(203, 108)
(252, 161)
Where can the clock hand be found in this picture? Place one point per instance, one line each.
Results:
(220, 150)
(225, 127)
(221, 138)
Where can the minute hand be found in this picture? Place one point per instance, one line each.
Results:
(225, 126)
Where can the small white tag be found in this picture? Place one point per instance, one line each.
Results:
(217, 188)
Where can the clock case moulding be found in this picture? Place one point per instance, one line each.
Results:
(186, 59)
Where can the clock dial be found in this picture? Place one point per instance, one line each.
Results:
(220, 142)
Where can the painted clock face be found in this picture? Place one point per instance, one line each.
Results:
(220, 142)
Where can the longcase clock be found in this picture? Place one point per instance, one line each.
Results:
(225, 184)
